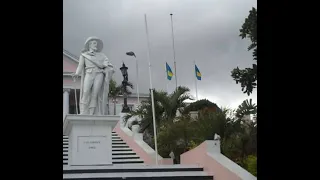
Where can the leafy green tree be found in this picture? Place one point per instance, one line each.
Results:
(200, 105)
(246, 108)
(248, 77)
(114, 92)
(251, 164)
(166, 107)
(176, 136)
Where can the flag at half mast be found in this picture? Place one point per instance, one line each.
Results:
(169, 72)
(198, 74)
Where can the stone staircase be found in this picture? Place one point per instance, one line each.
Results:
(128, 165)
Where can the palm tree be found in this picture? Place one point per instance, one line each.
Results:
(246, 108)
(166, 106)
(114, 91)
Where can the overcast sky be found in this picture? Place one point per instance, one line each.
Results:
(205, 31)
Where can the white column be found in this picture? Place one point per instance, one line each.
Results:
(65, 101)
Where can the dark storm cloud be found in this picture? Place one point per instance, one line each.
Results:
(206, 31)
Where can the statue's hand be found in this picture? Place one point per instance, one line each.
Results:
(75, 77)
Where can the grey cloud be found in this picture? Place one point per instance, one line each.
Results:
(206, 31)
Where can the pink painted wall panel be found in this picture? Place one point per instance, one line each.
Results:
(199, 156)
(69, 65)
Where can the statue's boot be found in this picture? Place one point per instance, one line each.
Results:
(91, 111)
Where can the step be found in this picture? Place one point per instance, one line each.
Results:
(123, 161)
(116, 153)
(113, 140)
(118, 142)
(123, 153)
(120, 146)
(195, 175)
(65, 149)
(125, 156)
(128, 168)
(117, 161)
(121, 149)
(116, 167)
(116, 138)
(114, 156)
(115, 143)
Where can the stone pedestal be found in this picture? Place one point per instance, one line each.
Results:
(90, 139)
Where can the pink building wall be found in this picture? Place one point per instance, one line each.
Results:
(69, 65)
(201, 157)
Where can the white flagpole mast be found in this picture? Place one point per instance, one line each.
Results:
(174, 54)
(195, 79)
(152, 99)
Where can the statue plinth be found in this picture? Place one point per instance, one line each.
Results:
(90, 139)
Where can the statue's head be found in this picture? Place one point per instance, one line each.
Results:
(93, 43)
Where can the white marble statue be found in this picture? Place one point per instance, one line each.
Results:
(96, 72)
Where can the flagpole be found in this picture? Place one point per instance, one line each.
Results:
(152, 97)
(195, 79)
(174, 54)
(137, 69)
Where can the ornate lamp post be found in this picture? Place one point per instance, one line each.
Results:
(131, 53)
(125, 83)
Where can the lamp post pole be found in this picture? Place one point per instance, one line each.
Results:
(131, 53)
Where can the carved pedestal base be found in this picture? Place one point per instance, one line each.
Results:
(90, 139)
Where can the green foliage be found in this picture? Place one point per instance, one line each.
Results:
(177, 136)
(248, 77)
(183, 133)
(246, 108)
(114, 91)
(199, 105)
(166, 105)
(208, 123)
(135, 123)
(249, 28)
(251, 164)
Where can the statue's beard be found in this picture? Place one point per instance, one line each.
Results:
(93, 49)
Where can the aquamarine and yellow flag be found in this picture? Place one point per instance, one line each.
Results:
(198, 74)
(169, 72)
